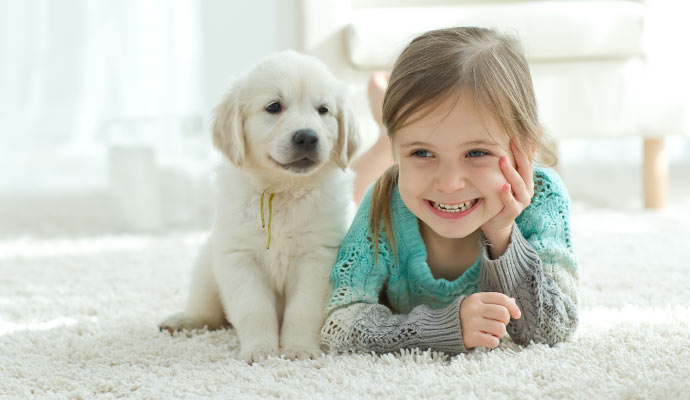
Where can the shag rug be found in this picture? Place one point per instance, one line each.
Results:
(79, 313)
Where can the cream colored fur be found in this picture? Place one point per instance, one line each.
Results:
(275, 297)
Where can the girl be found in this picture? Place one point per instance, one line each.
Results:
(462, 239)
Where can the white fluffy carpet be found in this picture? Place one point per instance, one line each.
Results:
(79, 308)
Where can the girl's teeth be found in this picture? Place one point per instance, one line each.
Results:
(454, 208)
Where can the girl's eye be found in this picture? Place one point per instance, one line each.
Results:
(323, 110)
(476, 153)
(274, 107)
(422, 153)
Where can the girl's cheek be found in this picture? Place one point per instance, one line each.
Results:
(408, 176)
(492, 180)
(413, 169)
(490, 173)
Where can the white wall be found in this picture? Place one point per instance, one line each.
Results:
(237, 34)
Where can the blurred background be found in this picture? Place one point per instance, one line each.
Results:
(105, 105)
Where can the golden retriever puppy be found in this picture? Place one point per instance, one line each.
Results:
(283, 206)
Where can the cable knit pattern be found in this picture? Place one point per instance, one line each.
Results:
(539, 269)
(373, 327)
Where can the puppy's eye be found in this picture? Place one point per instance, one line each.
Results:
(323, 110)
(274, 107)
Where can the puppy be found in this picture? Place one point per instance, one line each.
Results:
(283, 206)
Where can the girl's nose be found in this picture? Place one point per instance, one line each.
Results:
(449, 178)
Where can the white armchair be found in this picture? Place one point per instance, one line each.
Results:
(587, 60)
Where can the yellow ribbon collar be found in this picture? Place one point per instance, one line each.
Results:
(270, 214)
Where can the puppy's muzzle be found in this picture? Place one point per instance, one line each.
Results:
(303, 151)
(305, 141)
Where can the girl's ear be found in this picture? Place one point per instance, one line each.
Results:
(228, 132)
(348, 135)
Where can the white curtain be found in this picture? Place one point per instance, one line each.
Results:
(79, 76)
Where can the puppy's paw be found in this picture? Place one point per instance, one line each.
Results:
(301, 353)
(257, 354)
(180, 322)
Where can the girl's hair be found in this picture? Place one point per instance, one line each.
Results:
(440, 64)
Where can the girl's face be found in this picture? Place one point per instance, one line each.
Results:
(449, 172)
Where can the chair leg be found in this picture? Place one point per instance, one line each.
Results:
(655, 173)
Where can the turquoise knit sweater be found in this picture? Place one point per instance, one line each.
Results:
(538, 269)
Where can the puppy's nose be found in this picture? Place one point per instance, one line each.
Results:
(305, 139)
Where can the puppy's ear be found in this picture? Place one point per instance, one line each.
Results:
(228, 132)
(348, 134)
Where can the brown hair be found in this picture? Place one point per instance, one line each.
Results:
(442, 63)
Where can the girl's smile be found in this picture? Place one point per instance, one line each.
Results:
(453, 211)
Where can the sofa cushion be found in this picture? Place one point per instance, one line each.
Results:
(574, 30)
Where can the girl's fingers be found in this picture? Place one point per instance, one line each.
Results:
(513, 309)
(507, 197)
(496, 313)
(515, 180)
(494, 328)
(524, 168)
(487, 340)
(511, 207)
(502, 300)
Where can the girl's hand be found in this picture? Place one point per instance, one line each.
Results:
(516, 195)
(484, 317)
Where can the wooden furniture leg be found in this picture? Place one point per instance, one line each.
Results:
(655, 173)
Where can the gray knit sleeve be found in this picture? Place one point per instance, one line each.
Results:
(364, 327)
(544, 294)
